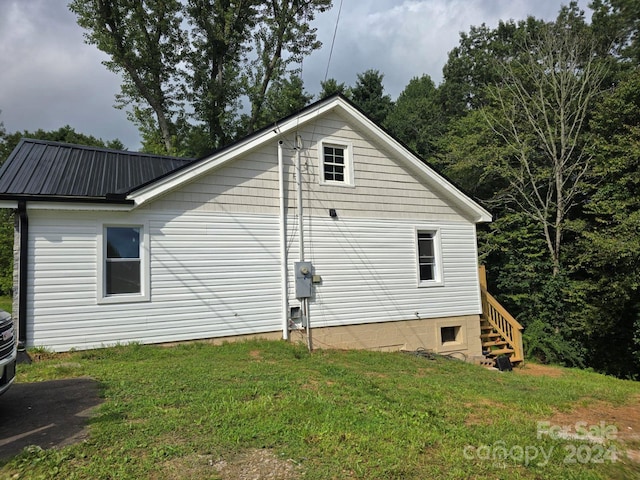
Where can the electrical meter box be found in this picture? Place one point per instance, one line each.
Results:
(304, 277)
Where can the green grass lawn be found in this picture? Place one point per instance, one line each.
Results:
(180, 412)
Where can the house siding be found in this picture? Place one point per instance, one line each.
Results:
(211, 276)
(217, 275)
(384, 188)
(369, 271)
(214, 255)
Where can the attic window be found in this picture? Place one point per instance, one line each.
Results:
(336, 164)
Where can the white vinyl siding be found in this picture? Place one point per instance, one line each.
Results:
(368, 270)
(216, 275)
(211, 275)
(383, 188)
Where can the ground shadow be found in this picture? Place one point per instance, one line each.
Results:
(46, 414)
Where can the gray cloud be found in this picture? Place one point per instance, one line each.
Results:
(49, 77)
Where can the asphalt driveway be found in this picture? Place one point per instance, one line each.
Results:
(47, 414)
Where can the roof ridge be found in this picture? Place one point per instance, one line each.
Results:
(76, 146)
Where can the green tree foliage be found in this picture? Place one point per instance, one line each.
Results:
(416, 118)
(539, 110)
(331, 86)
(220, 37)
(471, 65)
(187, 65)
(145, 43)
(286, 96)
(284, 37)
(519, 140)
(616, 24)
(608, 252)
(368, 94)
(65, 134)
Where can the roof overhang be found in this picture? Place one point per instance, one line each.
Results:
(66, 203)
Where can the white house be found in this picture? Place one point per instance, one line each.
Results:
(126, 247)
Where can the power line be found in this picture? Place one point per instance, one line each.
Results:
(333, 41)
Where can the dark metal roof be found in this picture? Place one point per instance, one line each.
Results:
(41, 170)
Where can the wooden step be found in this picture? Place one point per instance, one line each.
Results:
(486, 327)
(490, 335)
(500, 351)
(495, 343)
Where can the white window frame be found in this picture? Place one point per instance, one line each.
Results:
(348, 162)
(438, 279)
(145, 294)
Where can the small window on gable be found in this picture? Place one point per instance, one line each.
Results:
(429, 261)
(336, 165)
(123, 264)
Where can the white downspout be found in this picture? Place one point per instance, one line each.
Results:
(299, 199)
(283, 246)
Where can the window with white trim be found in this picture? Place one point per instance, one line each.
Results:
(123, 264)
(336, 165)
(428, 256)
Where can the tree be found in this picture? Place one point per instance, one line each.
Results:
(470, 67)
(284, 37)
(284, 97)
(65, 134)
(616, 24)
(416, 117)
(220, 38)
(187, 64)
(146, 45)
(330, 87)
(368, 94)
(540, 112)
(608, 253)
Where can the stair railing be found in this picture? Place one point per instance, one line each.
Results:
(501, 320)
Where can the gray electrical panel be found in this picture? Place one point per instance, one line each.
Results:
(304, 277)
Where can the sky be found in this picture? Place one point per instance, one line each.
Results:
(50, 78)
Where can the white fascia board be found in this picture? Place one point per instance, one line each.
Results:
(84, 207)
(204, 166)
(8, 204)
(477, 213)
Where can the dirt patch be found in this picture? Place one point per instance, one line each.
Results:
(625, 418)
(604, 422)
(255, 354)
(537, 370)
(255, 464)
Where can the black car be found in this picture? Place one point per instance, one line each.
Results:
(8, 351)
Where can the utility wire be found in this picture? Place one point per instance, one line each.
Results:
(333, 41)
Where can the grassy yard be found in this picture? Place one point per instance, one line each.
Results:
(201, 411)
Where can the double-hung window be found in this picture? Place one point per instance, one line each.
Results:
(429, 259)
(123, 275)
(336, 163)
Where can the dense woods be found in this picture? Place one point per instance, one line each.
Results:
(538, 121)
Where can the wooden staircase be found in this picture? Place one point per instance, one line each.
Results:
(500, 333)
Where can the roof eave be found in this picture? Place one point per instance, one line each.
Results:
(58, 202)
